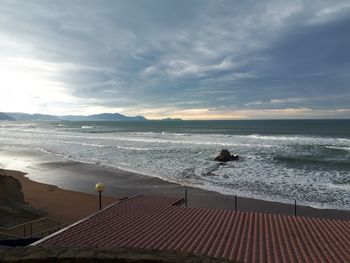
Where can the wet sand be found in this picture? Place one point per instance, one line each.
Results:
(76, 176)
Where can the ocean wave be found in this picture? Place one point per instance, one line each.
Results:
(345, 187)
(133, 148)
(278, 137)
(342, 148)
(65, 156)
(204, 139)
(80, 143)
(300, 138)
(272, 167)
(309, 160)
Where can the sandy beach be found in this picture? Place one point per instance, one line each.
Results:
(63, 205)
(52, 174)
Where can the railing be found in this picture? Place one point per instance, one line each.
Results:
(35, 228)
(8, 236)
(184, 201)
(49, 231)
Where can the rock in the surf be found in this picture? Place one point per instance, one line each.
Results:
(225, 156)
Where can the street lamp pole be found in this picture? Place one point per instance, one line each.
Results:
(99, 197)
(99, 188)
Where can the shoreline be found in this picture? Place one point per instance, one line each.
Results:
(82, 177)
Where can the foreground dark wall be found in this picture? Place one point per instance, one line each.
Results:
(69, 254)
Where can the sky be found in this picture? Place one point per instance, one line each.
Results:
(182, 59)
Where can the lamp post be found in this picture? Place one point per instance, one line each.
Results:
(99, 188)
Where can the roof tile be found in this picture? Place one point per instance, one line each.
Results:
(155, 223)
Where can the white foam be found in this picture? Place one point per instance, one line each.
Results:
(344, 148)
(133, 148)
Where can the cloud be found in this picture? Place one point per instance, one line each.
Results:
(184, 56)
(183, 68)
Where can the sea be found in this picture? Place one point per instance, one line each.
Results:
(280, 160)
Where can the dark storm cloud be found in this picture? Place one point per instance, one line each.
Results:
(188, 54)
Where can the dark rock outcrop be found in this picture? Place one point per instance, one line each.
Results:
(10, 190)
(13, 208)
(225, 156)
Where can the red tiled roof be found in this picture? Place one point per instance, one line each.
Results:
(155, 223)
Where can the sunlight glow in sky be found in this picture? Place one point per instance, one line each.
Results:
(29, 86)
(180, 59)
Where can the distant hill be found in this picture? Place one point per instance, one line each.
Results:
(96, 117)
(18, 116)
(5, 117)
(102, 117)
